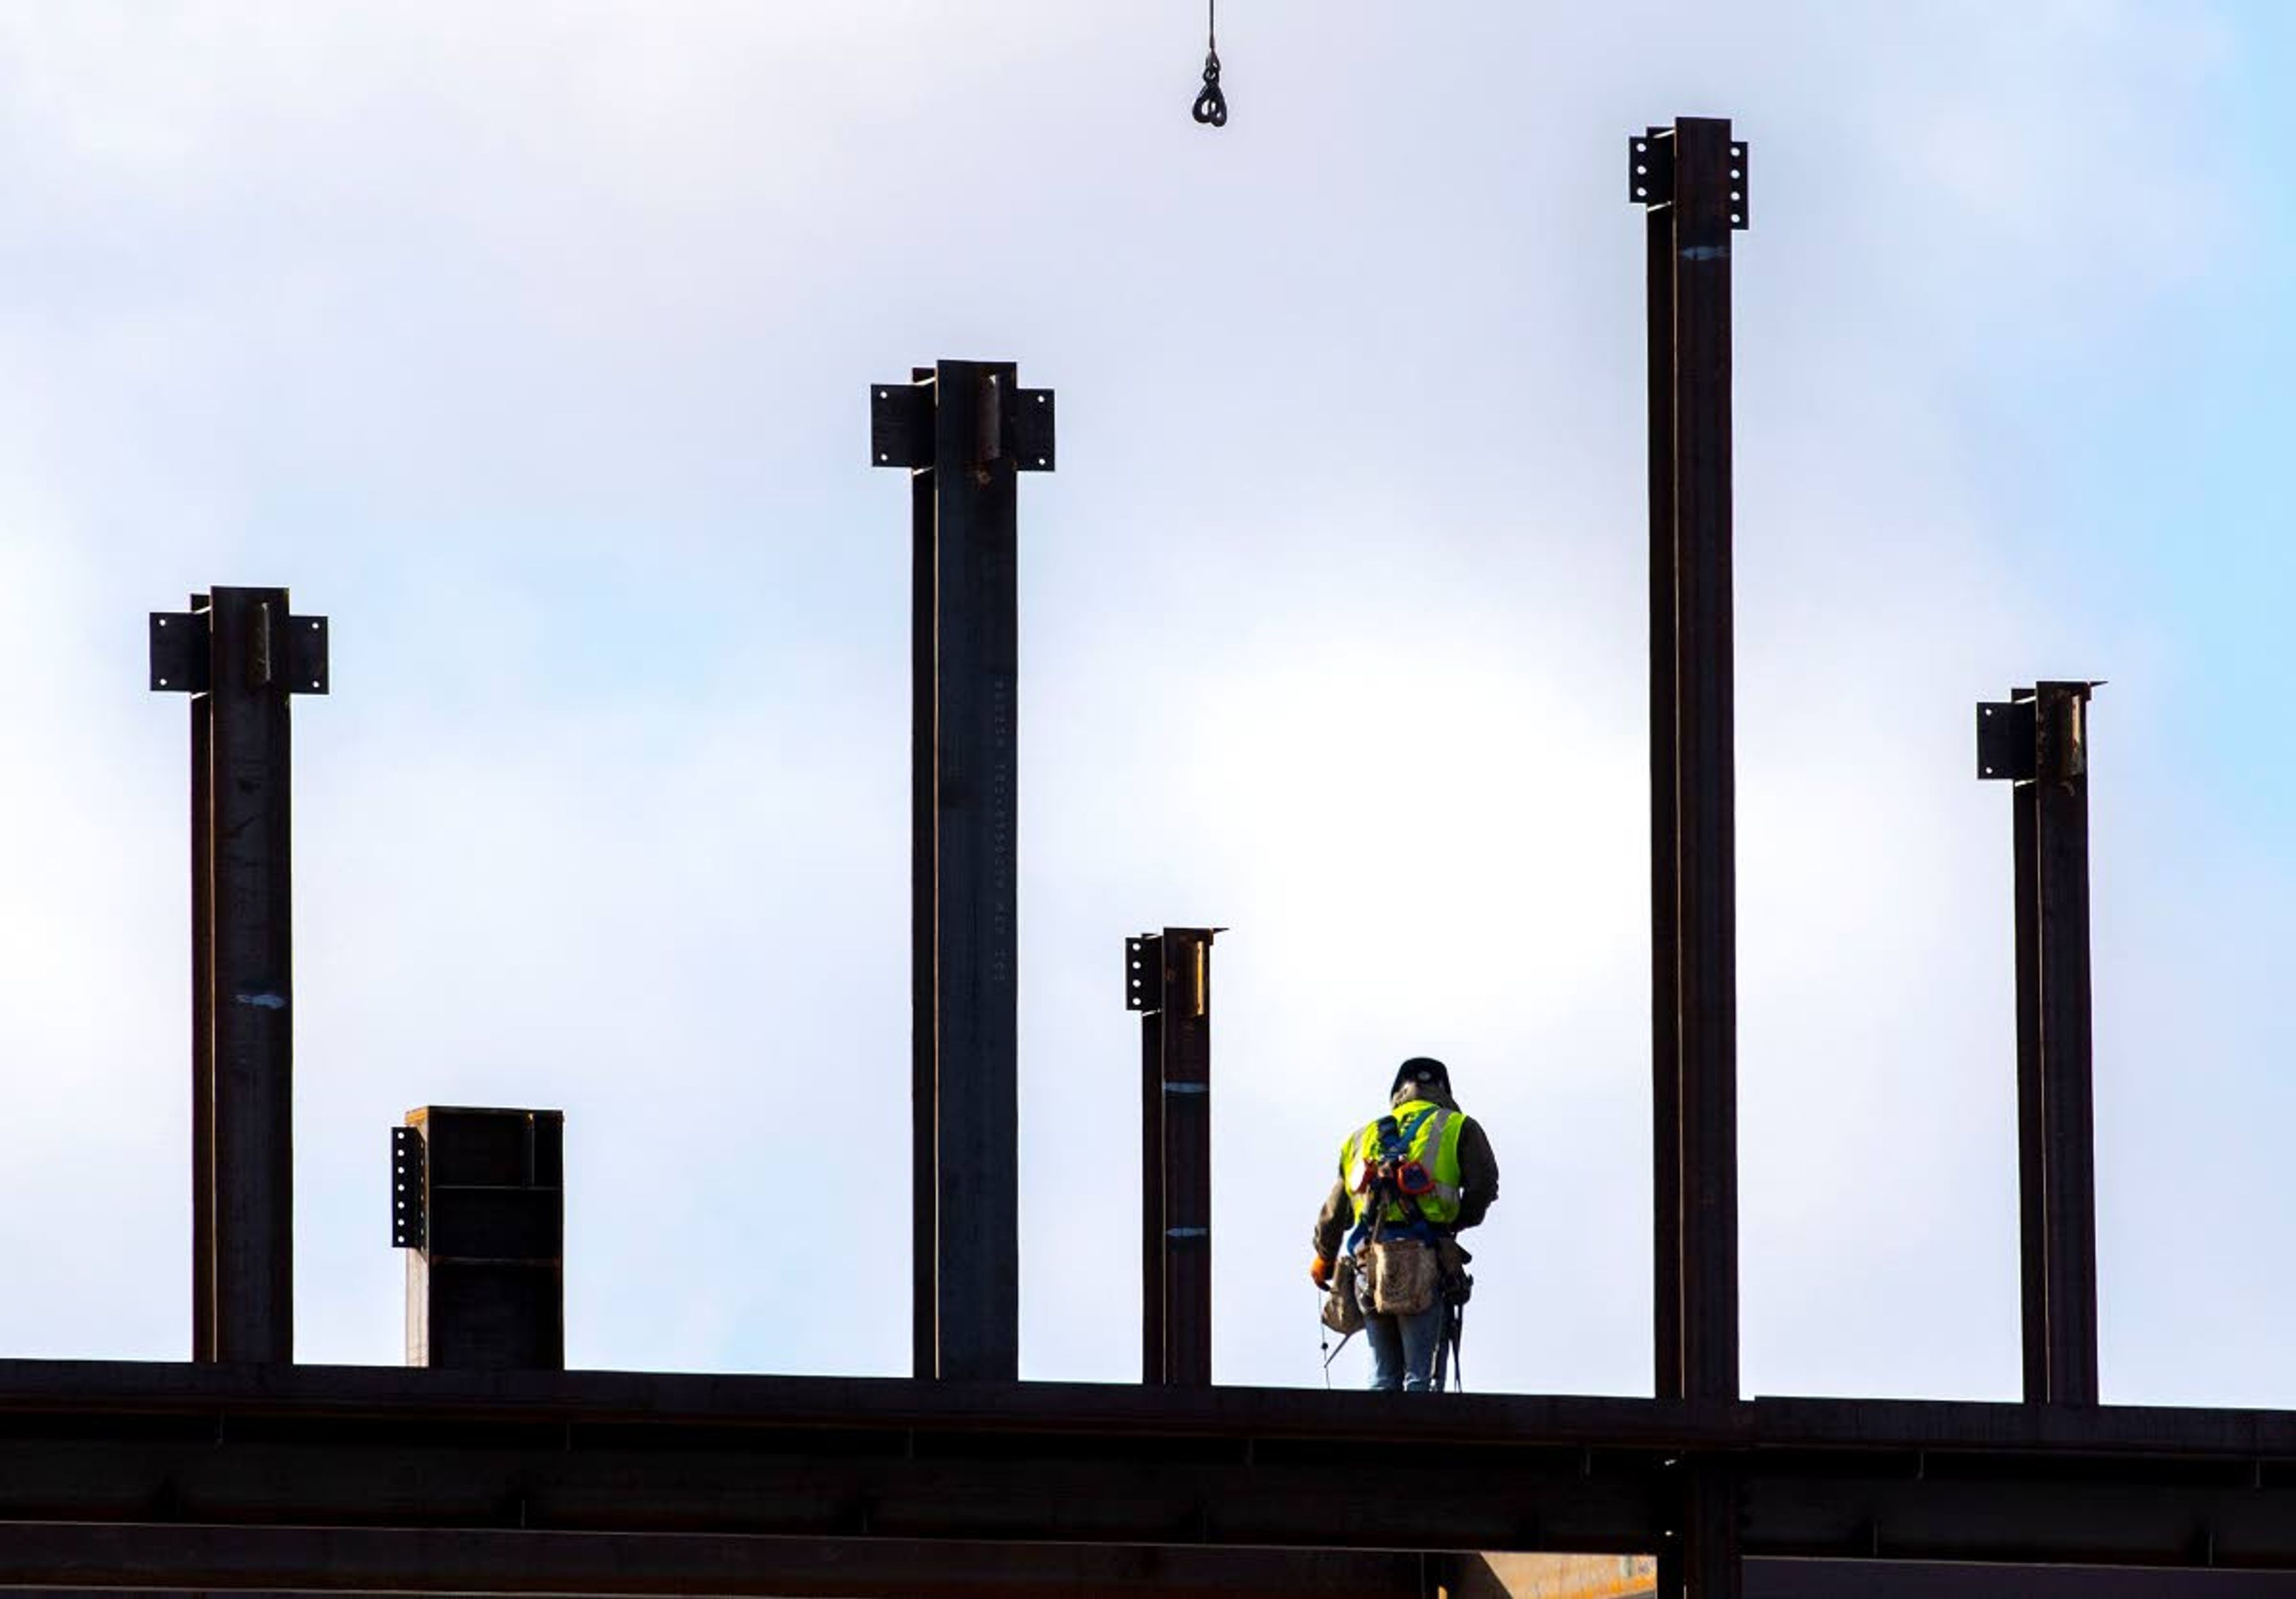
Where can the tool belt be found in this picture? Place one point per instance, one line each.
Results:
(1343, 1310)
(1404, 1275)
(1457, 1285)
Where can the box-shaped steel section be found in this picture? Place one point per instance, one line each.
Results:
(486, 1261)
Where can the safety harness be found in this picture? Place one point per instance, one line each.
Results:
(1395, 1179)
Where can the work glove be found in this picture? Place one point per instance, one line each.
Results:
(1320, 1273)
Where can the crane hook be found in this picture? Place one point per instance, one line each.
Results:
(1212, 105)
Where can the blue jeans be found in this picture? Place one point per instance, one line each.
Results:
(1403, 1348)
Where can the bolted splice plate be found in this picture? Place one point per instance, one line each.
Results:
(901, 424)
(1143, 974)
(409, 1157)
(1651, 169)
(179, 651)
(1030, 426)
(2007, 749)
(180, 657)
(1650, 166)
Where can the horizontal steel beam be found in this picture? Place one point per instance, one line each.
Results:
(879, 1464)
(661, 1402)
(1233, 1571)
(148, 1557)
(1919, 1579)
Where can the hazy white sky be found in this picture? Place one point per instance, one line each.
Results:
(531, 344)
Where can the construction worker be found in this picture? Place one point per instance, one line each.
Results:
(1412, 1180)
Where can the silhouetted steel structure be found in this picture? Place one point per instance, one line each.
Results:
(241, 654)
(965, 430)
(256, 1475)
(2037, 740)
(1691, 179)
(381, 1478)
(479, 1204)
(1167, 979)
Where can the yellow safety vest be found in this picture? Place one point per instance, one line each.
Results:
(1434, 1144)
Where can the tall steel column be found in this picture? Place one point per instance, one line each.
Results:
(1691, 179)
(1169, 979)
(2038, 741)
(963, 428)
(239, 653)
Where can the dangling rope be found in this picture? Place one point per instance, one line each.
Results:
(1212, 105)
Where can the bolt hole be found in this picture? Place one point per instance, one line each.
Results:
(1734, 216)
(1040, 460)
(1640, 170)
(163, 683)
(163, 622)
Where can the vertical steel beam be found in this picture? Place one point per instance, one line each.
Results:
(2037, 740)
(241, 654)
(1691, 178)
(203, 1263)
(1666, 952)
(1143, 991)
(1713, 1564)
(2032, 1134)
(252, 981)
(479, 1203)
(964, 429)
(1168, 979)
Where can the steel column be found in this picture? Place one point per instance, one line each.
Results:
(964, 429)
(1691, 179)
(1665, 950)
(241, 654)
(1168, 979)
(480, 1206)
(202, 831)
(2037, 740)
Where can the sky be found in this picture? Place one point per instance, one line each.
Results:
(530, 344)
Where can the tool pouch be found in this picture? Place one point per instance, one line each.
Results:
(1404, 1277)
(1451, 1261)
(1343, 1311)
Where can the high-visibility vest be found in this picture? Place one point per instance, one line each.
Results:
(1435, 1131)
